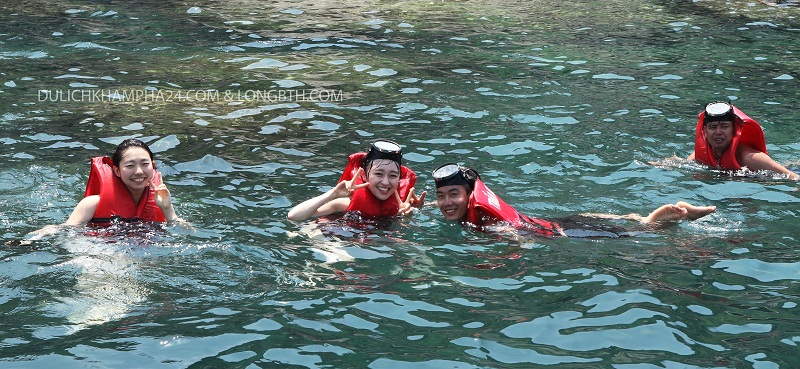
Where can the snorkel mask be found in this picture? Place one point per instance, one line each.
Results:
(452, 174)
(718, 111)
(383, 149)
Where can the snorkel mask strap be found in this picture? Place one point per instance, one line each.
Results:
(383, 149)
(452, 174)
(457, 179)
(718, 111)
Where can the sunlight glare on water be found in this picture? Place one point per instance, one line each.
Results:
(252, 107)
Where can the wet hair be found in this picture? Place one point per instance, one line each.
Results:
(470, 175)
(379, 150)
(712, 112)
(463, 176)
(125, 145)
(721, 118)
(367, 165)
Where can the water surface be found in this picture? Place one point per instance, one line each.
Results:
(563, 108)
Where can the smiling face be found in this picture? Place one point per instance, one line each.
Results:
(453, 201)
(135, 169)
(719, 135)
(383, 176)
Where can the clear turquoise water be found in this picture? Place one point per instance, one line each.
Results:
(562, 107)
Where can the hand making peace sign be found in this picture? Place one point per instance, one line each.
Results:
(346, 188)
(161, 195)
(412, 201)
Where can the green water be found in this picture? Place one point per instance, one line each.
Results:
(562, 107)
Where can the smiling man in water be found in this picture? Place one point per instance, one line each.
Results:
(462, 196)
(726, 138)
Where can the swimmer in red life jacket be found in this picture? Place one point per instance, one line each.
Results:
(124, 187)
(726, 138)
(462, 196)
(375, 184)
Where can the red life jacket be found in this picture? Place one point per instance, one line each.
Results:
(484, 203)
(748, 133)
(116, 201)
(364, 201)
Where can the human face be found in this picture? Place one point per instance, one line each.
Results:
(383, 178)
(719, 135)
(135, 169)
(453, 201)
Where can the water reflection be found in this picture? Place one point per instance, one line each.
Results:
(106, 287)
(560, 112)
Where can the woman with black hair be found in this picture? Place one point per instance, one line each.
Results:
(375, 184)
(125, 187)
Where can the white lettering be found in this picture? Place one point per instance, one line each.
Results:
(493, 200)
(154, 95)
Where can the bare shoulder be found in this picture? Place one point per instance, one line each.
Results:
(90, 201)
(756, 160)
(747, 150)
(84, 212)
(337, 205)
(341, 204)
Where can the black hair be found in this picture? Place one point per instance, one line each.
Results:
(464, 176)
(471, 175)
(128, 143)
(730, 117)
(727, 116)
(367, 164)
(376, 153)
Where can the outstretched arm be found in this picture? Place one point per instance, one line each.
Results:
(84, 212)
(756, 160)
(335, 200)
(664, 213)
(679, 210)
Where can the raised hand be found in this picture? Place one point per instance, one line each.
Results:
(163, 199)
(415, 201)
(335, 200)
(346, 188)
(412, 201)
(161, 194)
